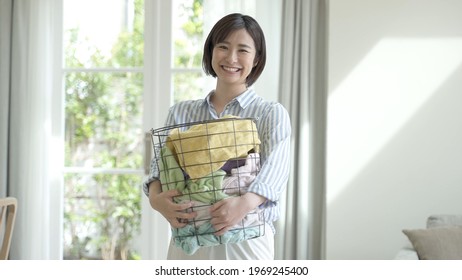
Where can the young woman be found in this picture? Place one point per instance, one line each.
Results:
(234, 54)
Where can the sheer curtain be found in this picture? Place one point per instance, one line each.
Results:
(32, 119)
(303, 92)
(5, 50)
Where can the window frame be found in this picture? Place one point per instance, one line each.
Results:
(157, 65)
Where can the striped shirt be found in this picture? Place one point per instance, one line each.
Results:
(274, 129)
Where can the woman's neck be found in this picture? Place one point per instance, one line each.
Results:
(224, 94)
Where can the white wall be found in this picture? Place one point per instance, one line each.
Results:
(394, 151)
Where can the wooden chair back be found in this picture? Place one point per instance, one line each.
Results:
(8, 207)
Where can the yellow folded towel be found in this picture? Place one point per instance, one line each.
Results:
(204, 148)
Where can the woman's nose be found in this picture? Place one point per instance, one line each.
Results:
(232, 56)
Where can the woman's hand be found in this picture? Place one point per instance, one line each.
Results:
(163, 203)
(228, 212)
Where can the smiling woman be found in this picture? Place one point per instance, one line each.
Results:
(234, 54)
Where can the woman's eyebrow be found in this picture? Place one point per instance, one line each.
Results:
(245, 46)
(239, 45)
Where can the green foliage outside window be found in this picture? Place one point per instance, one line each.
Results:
(103, 129)
(188, 53)
(102, 212)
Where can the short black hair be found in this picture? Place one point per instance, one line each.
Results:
(222, 29)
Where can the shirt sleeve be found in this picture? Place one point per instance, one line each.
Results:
(275, 132)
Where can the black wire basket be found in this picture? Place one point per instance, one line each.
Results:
(209, 161)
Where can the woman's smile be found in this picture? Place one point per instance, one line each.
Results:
(230, 69)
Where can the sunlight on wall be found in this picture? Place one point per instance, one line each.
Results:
(379, 96)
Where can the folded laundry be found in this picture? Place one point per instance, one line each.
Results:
(204, 148)
(241, 177)
(190, 238)
(207, 189)
(233, 163)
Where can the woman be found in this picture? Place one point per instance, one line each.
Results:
(234, 54)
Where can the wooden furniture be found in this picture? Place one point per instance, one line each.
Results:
(8, 206)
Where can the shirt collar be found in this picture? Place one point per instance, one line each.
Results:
(244, 98)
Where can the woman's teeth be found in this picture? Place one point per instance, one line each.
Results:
(231, 69)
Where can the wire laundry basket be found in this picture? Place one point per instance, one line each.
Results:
(209, 161)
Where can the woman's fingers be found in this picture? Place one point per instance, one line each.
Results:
(175, 223)
(226, 214)
(221, 231)
(176, 214)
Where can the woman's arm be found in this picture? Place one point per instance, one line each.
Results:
(162, 201)
(275, 136)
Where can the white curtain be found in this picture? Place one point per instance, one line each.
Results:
(29, 47)
(5, 53)
(303, 91)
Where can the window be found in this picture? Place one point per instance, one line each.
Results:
(188, 79)
(104, 72)
(103, 91)
(121, 74)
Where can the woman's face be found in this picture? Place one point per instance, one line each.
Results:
(233, 59)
